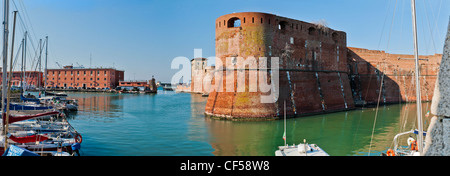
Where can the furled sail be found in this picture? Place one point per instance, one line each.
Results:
(13, 119)
(28, 139)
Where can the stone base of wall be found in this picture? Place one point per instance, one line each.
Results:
(437, 141)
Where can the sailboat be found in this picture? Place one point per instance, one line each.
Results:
(302, 149)
(415, 148)
(19, 137)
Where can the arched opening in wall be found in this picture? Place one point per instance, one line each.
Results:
(335, 36)
(282, 25)
(312, 31)
(234, 22)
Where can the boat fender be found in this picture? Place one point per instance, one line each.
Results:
(76, 146)
(78, 138)
(390, 152)
(414, 145)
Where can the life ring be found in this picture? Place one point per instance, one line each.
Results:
(78, 138)
(414, 145)
(390, 152)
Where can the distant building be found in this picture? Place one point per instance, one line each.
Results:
(142, 85)
(129, 85)
(32, 78)
(84, 78)
(199, 70)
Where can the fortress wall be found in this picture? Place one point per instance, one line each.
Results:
(367, 66)
(313, 75)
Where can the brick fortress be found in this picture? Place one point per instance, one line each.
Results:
(318, 73)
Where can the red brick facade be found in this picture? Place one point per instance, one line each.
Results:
(312, 78)
(32, 78)
(318, 73)
(366, 68)
(70, 77)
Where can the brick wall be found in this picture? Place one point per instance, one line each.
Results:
(84, 78)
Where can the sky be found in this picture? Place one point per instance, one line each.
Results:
(142, 37)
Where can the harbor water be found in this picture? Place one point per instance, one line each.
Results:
(173, 124)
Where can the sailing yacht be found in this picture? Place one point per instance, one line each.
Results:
(415, 148)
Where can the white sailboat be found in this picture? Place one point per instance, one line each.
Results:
(415, 148)
(302, 149)
(47, 138)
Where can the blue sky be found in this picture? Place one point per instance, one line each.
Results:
(142, 37)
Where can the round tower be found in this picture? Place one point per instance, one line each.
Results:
(312, 57)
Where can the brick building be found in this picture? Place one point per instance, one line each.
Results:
(97, 78)
(142, 85)
(32, 78)
(199, 70)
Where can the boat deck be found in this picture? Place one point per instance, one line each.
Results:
(299, 150)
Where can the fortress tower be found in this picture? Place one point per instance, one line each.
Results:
(313, 71)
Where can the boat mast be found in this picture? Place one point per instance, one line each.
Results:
(5, 57)
(45, 67)
(40, 66)
(24, 61)
(418, 98)
(9, 82)
(23, 70)
(285, 138)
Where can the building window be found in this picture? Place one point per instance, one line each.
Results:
(234, 22)
(312, 31)
(335, 36)
(282, 25)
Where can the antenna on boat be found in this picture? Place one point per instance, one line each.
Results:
(418, 94)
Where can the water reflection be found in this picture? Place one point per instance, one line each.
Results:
(99, 104)
(134, 124)
(340, 134)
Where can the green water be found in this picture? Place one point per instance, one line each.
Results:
(173, 124)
